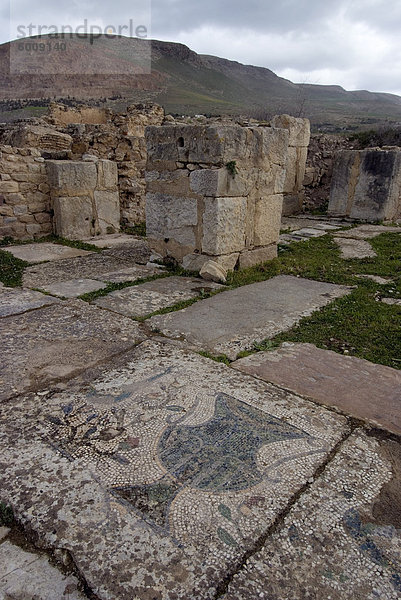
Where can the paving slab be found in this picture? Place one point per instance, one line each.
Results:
(113, 240)
(376, 279)
(355, 248)
(366, 232)
(159, 474)
(131, 273)
(309, 232)
(54, 343)
(74, 287)
(233, 320)
(36, 253)
(4, 531)
(353, 385)
(93, 266)
(316, 222)
(342, 539)
(25, 576)
(145, 298)
(14, 301)
(391, 301)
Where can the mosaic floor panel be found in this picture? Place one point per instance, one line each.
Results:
(192, 457)
(342, 539)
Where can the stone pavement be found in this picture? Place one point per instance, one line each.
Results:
(164, 475)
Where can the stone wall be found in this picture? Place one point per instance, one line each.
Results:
(319, 168)
(84, 197)
(366, 184)
(215, 193)
(24, 194)
(121, 139)
(299, 130)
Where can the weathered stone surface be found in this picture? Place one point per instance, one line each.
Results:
(36, 253)
(220, 183)
(367, 232)
(249, 258)
(341, 540)
(351, 248)
(355, 386)
(167, 217)
(73, 217)
(366, 184)
(194, 262)
(224, 223)
(71, 178)
(234, 320)
(267, 220)
(55, 343)
(130, 273)
(14, 301)
(27, 576)
(391, 301)
(107, 209)
(4, 531)
(159, 474)
(93, 266)
(114, 239)
(74, 287)
(145, 298)
(212, 271)
(298, 128)
(107, 175)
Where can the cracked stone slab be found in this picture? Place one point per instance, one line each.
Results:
(24, 575)
(131, 273)
(342, 538)
(157, 475)
(145, 298)
(14, 301)
(366, 232)
(309, 232)
(233, 320)
(355, 248)
(353, 385)
(57, 342)
(36, 253)
(376, 279)
(93, 266)
(74, 287)
(113, 240)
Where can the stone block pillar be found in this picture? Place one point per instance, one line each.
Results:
(299, 130)
(84, 198)
(366, 184)
(215, 192)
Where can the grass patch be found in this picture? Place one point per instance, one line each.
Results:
(137, 229)
(221, 358)
(11, 269)
(357, 324)
(54, 239)
(113, 287)
(6, 515)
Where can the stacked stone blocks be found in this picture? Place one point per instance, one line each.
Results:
(24, 194)
(215, 193)
(84, 197)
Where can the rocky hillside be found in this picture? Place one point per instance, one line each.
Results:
(181, 80)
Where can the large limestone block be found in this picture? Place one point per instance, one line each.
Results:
(272, 146)
(220, 182)
(249, 258)
(70, 178)
(346, 165)
(183, 143)
(172, 183)
(107, 175)
(299, 129)
(378, 190)
(38, 136)
(224, 225)
(107, 206)
(366, 184)
(267, 220)
(73, 217)
(295, 169)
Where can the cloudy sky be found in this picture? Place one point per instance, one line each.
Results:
(353, 43)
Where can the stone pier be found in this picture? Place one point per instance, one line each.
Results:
(215, 192)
